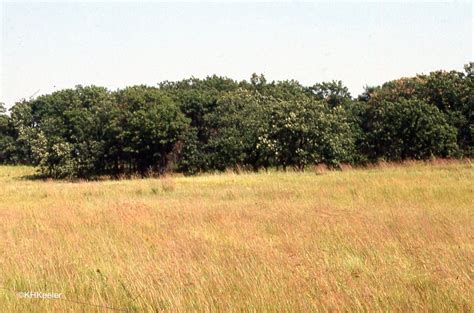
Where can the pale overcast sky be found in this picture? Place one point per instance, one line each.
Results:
(53, 45)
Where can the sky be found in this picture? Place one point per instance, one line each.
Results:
(53, 45)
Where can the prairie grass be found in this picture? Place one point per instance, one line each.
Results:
(388, 238)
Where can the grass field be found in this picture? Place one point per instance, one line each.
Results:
(392, 238)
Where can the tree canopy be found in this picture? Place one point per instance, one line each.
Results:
(213, 124)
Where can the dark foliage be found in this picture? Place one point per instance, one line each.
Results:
(197, 125)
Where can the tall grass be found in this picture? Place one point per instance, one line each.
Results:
(392, 238)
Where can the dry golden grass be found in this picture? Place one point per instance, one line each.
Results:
(392, 238)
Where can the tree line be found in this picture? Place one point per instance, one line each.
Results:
(213, 124)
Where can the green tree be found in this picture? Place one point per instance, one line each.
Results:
(151, 124)
(309, 132)
(6, 136)
(239, 125)
(62, 131)
(197, 98)
(408, 129)
(334, 93)
(450, 91)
